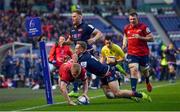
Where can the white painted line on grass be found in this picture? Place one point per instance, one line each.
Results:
(94, 97)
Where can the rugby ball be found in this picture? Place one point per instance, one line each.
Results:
(83, 100)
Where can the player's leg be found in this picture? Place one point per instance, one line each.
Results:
(133, 65)
(111, 89)
(74, 92)
(144, 67)
(134, 71)
(114, 87)
(107, 91)
(172, 72)
(113, 84)
(121, 69)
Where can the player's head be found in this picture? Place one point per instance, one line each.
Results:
(80, 47)
(61, 40)
(108, 41)
(75, 70)
(133, 17)
(76, 17)
(171, 46)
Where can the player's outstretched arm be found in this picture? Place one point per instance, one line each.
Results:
(85, 88)
(63, 88)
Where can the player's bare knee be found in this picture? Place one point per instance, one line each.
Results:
(110, 95)
(134, 69)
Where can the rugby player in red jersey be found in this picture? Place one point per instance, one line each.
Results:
(59, 52)
(69, 72)
(136, 36)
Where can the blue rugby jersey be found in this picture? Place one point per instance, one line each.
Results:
(92, 65)
(82, 33)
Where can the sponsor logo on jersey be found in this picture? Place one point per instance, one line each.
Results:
(84, 64)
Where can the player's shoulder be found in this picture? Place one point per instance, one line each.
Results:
(66, 46)
(115, 45)
(116, 48)
(126, 26)
(66, 65)
(142, 25)
(85, 24)
(83, 70)
(104, 48)
(84, 56)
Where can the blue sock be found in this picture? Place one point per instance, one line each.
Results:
(133, 84)
(75, 89)
(147, 80)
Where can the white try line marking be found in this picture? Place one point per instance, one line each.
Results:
(94, 97)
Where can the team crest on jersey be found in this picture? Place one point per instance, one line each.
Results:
(84, 64)
(148, 30)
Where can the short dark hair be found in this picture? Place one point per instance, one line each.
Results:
(78, 12)
(108, 38)
(132, 12)
(82, 44)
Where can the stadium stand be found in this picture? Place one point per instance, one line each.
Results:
(58, 23)
(96, 22)
(170, 23)
(120, 21)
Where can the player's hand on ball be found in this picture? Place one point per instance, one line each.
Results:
(85, 96)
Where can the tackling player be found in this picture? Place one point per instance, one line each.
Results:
(107, 74)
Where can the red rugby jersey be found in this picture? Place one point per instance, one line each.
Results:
(65, 74)
(59, 53)
(137, 47)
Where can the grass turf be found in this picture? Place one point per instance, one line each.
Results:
(165, 96)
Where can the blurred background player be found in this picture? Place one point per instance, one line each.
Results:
(136, 36)
(70, 72)
(171, 59)
(112, 54)
(58, 54)
(82, 31)
(107, 74)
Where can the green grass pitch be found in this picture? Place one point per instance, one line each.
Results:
(165, 96)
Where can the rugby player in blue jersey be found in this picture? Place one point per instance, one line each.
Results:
(82, 31)
(106, 73)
